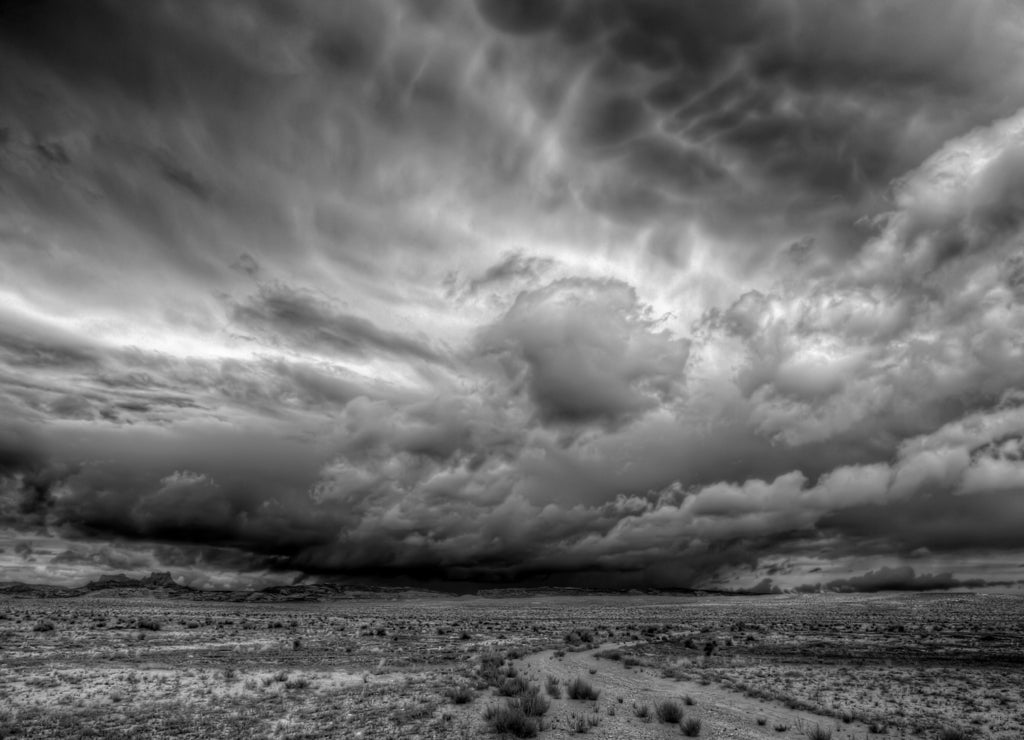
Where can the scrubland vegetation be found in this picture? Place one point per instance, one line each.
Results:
(943, 667)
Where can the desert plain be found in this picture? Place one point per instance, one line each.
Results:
(787, 666)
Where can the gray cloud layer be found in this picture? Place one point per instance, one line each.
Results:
(582, 292)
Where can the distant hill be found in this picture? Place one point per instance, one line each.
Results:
(163, 586)
(539, 591)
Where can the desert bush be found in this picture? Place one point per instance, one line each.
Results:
(512, 721)
(300, 682)
(642, 711)
(579, 637)
(148, 624)
(513, 686)
(669, 711)
(954, 733)
(460, 694)
(781, 727)
(553, 688)
(688, 700)
(819, 733)
(691, 727)
(581, 690)
(531, 703)
(490, 668)
(43, 626)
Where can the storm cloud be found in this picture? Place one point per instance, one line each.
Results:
(659, 293)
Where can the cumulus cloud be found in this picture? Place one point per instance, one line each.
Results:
(587, 351)
(582, 292)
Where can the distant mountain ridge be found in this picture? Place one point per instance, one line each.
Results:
(161, 585)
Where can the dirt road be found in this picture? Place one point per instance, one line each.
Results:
(723, 714)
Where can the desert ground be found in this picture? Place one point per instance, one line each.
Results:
(784, 666)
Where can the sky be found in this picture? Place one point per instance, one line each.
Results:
(657, 293)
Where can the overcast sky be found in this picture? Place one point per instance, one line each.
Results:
(646, 293)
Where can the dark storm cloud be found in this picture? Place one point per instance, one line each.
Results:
(772, 110)
(578, 292)
(902, 578)
(112, 46)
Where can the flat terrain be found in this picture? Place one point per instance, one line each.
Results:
(907, 666)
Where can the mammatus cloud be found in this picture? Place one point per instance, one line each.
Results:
(645, 293)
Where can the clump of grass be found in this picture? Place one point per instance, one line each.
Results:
(688, 700)
(460, 694)
(954, 733)
(531, 703)
(43, 626)
(512, 721)
(581, 690)
(148, 624)
(582, 724)
(781, 727)
(669, 711)
(691, 727)
(513, 686)
(299, 682)
(553, 688)
(642, 711)
(490, 668)
(819, 733)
